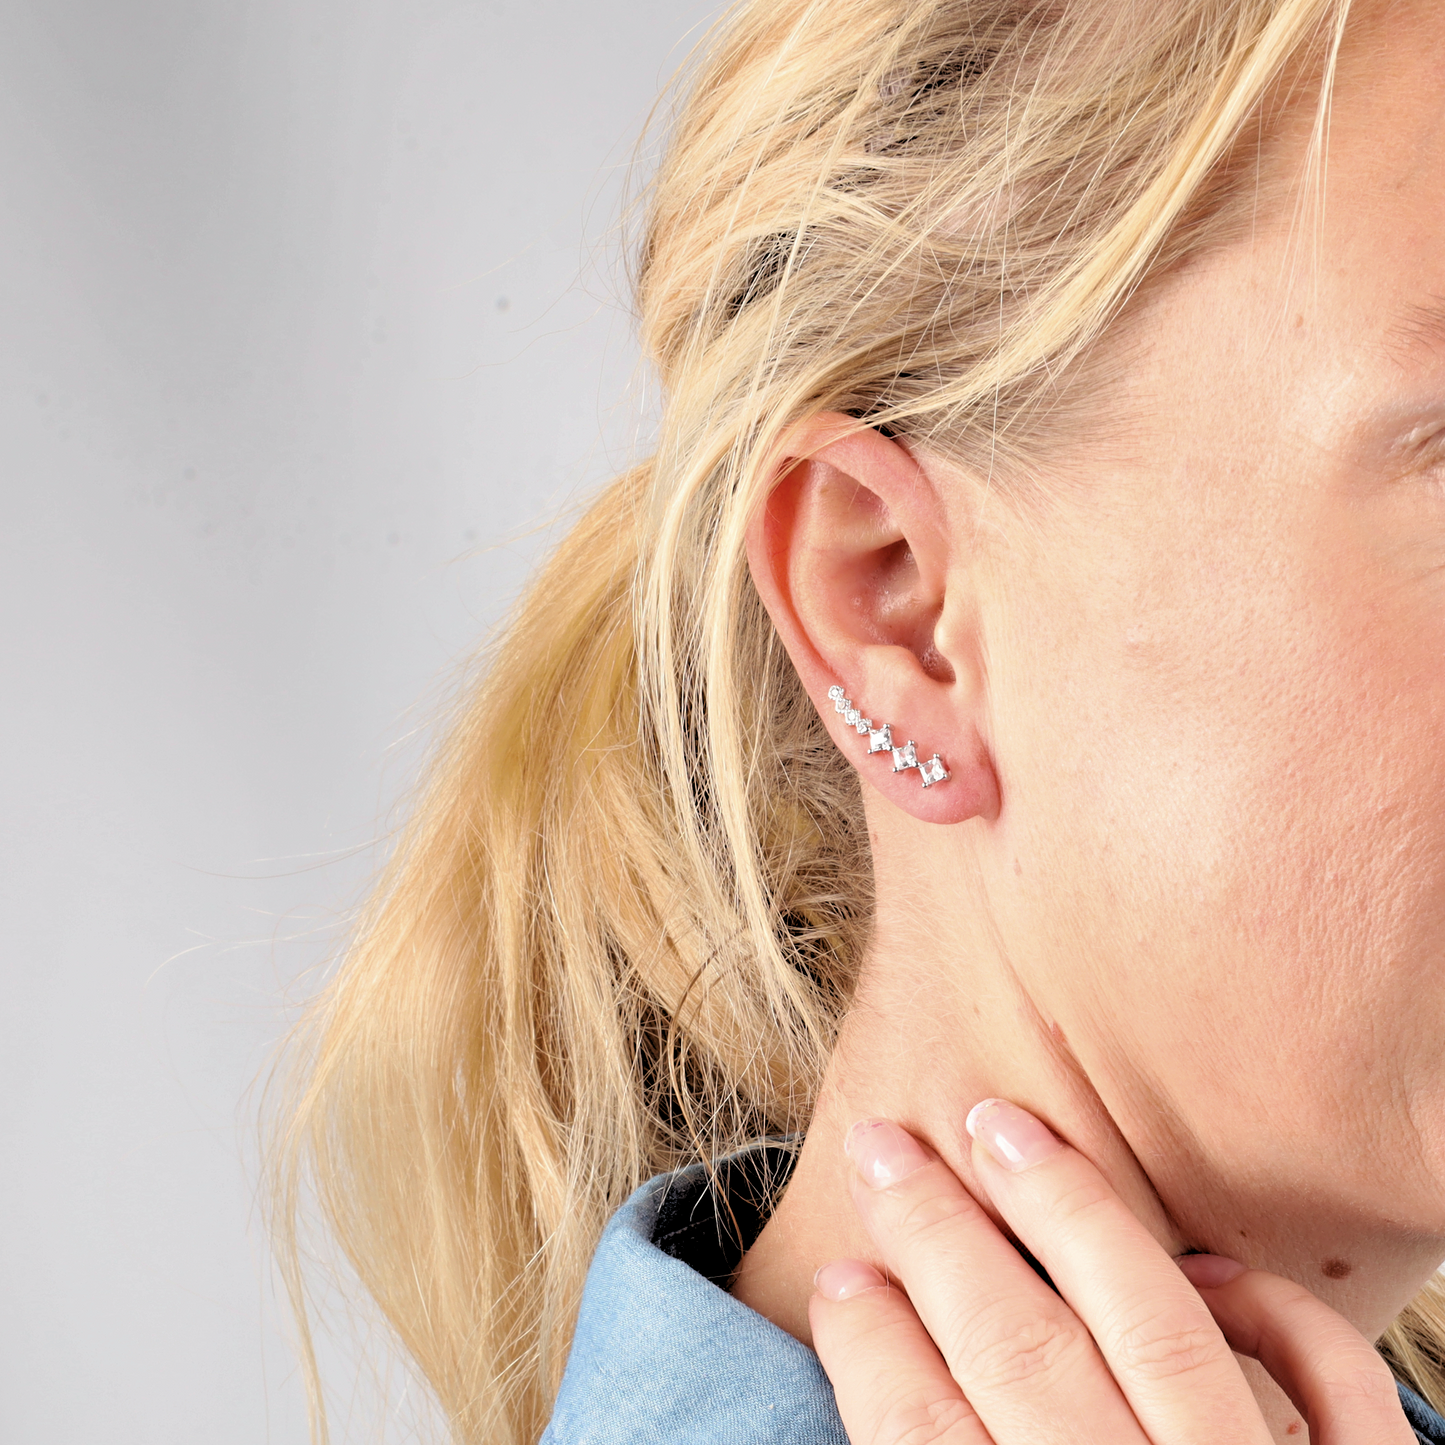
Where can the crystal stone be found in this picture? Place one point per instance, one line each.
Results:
(863, 724)
(835, 692)
(933, 771)
(880, 740)
(905, 757)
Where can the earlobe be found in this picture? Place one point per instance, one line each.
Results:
(977, 793)
(880, 740)
(852, 555)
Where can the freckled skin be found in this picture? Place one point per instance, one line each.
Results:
(1212, 681)
(1231, 815)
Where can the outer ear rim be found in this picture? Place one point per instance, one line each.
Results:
(890, 474)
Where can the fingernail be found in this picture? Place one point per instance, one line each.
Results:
(1209, 1271)
(882, 1152)
(1015, 1138)
(846, 1277)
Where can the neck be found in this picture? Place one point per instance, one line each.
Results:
(941, 1021)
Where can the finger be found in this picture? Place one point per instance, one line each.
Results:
(889, 1380)
(1022, 1358)
(1335, 1377)
(1168, 1355)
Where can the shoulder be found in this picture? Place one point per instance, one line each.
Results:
(663, 1352)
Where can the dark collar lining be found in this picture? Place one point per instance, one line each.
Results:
(709, 1221)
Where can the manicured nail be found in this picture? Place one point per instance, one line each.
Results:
(1209, 1271)
(846, 1277)
(882, 1152)
(1015, 1138)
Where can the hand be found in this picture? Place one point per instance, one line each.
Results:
(980, 1351)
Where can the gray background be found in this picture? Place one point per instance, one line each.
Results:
(309, 318)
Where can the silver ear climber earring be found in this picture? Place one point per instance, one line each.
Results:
(880, 740)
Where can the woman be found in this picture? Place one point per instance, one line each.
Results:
(1016, 677)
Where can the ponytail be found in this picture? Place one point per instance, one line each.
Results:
(541, 1009)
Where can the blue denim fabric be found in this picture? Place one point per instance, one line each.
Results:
(663, 1355)
(1429, 1426)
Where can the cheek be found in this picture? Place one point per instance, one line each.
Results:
(1232, 862)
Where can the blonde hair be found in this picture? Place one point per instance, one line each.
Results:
(621, 926)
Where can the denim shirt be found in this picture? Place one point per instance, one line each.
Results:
(663, 1353)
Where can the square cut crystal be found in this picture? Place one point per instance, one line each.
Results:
(863, 724)
(841, 703)
(880, 740)
(933, 771)
(905, 757)
(851, 717)
(835, 692)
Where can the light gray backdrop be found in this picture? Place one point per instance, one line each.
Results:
(304, 310)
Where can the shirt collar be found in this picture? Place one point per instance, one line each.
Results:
(663, 1352)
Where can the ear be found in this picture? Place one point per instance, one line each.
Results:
(854, 559)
